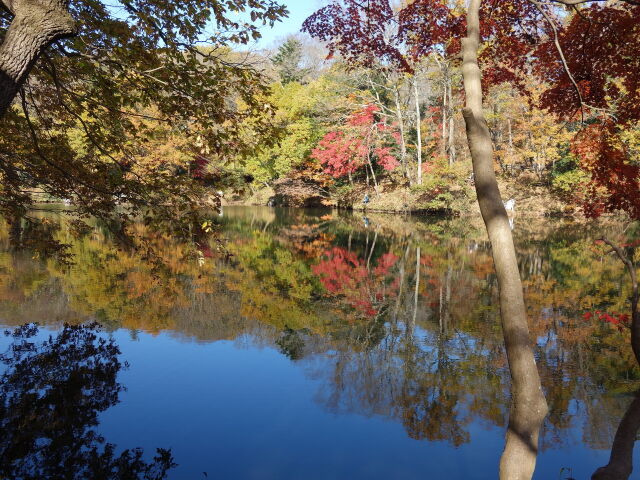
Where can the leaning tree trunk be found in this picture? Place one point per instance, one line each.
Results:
(529, 406)
(35, 25)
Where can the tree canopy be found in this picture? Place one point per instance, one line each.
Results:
(111, 110)
(584, 52)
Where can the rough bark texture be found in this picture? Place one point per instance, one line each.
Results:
(620, 464)
(529, 406)
(36, 24)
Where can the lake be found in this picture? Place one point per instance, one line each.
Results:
(307, 345)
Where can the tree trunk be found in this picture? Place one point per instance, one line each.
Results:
(373, 176)
(529, 406)
(373, 247)
(403, 143)
(401, 275)
(445, 110)
(620, 464)
(510, 134)
(416, 295)
(418, 130)
(36, 25)
(451, 136)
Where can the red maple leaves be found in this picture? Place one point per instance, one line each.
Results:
(621, 321)
(597, 75)
(363, 138)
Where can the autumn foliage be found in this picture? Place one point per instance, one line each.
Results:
(344, 274)
(619, 320)
(363, 137)
(586, 55)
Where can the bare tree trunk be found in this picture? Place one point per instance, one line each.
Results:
(418, 130)
(445, 110)
(403, 143)
(620, 464)
(373, 175)
(373, 247)
(451, 136)
(447, 299)
(401, 275)
(36, 25)
(529, 406)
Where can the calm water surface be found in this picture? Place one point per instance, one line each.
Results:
(327, 346)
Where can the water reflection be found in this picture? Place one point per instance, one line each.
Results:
(51, 393)
(620, 464)
(391, 317)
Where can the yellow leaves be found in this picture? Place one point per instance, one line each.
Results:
(207, 227)
(525, 135)
(630, 139)
(201, 145)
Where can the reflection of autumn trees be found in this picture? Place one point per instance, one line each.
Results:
(51, 394)
(275, 287)
(408, 322)
(127, 288)
(365, 287)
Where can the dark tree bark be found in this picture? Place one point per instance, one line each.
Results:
(36, 25)
(620, 464)
(15, 230)
(529, 407)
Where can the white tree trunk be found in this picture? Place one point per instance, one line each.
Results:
(418, 130)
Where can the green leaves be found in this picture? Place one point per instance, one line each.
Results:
(113, 118)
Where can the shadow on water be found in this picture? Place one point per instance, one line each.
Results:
(51, 393)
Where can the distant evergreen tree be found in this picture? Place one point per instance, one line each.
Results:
(287, 62)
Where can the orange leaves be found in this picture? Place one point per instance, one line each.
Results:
(615, 179)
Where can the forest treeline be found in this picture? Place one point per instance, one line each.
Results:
(400, 139)
(139, 113)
